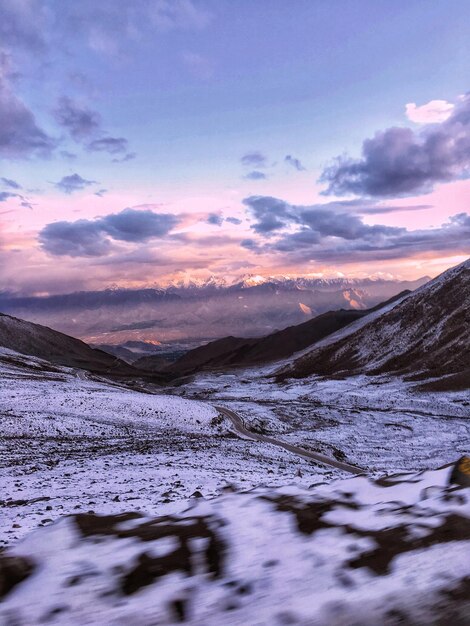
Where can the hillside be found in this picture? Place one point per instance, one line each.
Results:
(55, 347)
(426, 335)
(238, 352)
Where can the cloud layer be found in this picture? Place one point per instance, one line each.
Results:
(94, 238)
(401, 162)
(332, 233)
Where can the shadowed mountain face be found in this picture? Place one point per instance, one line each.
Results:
(426, 335)
(199, 312)
(238, 352)
(53, 346)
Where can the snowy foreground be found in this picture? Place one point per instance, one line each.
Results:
(103, 522)
(354, 551)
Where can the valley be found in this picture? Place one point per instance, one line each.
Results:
(93, 456)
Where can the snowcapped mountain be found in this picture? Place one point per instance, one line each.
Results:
(194, 311)
(428, 333)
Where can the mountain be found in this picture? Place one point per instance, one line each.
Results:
(55, 347)
(194, 311)
(238, 352)
(426, 335)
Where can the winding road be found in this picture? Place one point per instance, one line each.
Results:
(240, 427)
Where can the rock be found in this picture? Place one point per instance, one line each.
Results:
(460, 474)
(13, 570)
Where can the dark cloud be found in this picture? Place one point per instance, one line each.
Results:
(5, 195)
(21, 23)
(76, 239)
(93, 238)
(78, 120)
(100, 193)
(295, 163)
(12, 184)
(255, 175)
(271, 214)
(233, 220)
(84, 126)
(112, 145)
(332, 232)
(378, 210)
(127, 157)
(142, 225)
(254, 159)
(20, 135)
(400, 161)
(215, 219)
(73, 182)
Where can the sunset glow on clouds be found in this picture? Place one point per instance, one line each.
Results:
(142, 141)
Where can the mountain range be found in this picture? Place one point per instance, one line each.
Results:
(195, 311)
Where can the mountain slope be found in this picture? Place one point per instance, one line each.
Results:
(53, 346)
(426, 334)
(238, 352)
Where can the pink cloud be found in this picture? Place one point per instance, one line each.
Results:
(432, 112)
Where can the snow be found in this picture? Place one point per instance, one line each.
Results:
(328, 555)
(274, 539)
(74, 442)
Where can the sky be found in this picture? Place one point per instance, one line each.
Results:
(145, 141)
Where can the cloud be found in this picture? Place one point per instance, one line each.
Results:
(296, 163)
(433, 112)
(94, 238)
(254, 159)
(331, 232)
(233, 220)
(5, 195)
(100, 193)
(401, 162)
(255, 175)
(75, 239)
(12, 184)
(127, 157)
(73, 182)
(84, 126)
(21, 24)
(142, 225)
(79, 121)
(20, 135)
(112, 145)
(215, 219)
(271, 214)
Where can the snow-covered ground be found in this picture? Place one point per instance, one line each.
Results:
(353, 552)
(378, 423)
(274, 539)
(70, 443)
